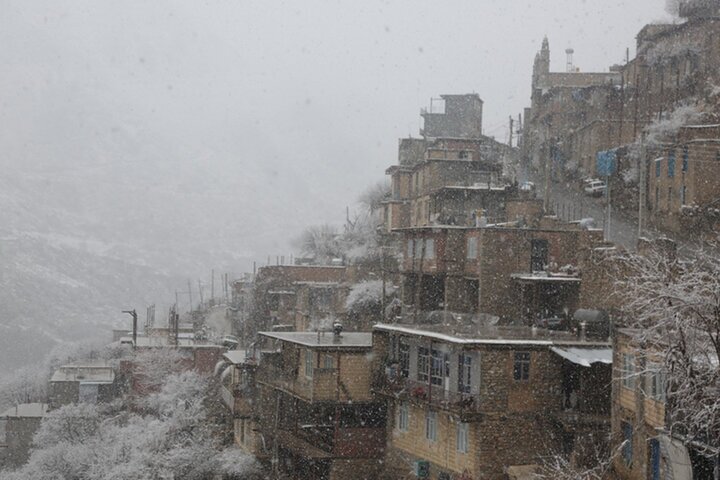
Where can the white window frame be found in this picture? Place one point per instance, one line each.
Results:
(403, 417)
(328, 362)
(472, 248)
(309, 363)
(423, 364)
(628, 371)
(431, 426)
(465, 362)
(462, 437)
(430, 248)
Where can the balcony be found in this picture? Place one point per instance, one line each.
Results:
(464, 404)
(238, 400)
(322, 386)
(324, 441)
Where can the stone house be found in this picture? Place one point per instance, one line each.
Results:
(683, 186)
(237, 372)
(87, 382)
(470, 401)
(517, 274)
(315, 410)
(639, 415)
(17, 428)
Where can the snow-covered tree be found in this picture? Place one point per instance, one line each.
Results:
(176, 437)
(674, 307)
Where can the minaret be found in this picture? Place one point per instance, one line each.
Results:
(545, 57)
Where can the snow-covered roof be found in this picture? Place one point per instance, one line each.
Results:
(544, 277)
(93, 372)
(490, 335)
(238, 357)
(26, 410)
(585, 356)
(324, 339)
(280, 292)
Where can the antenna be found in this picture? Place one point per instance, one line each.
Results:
(570, 66)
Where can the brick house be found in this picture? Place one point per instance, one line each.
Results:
(467, 401)
(315, 410)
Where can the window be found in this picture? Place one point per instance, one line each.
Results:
(431, 426)
(657, 196)
(403, 417)
(423, 364)
(328, 362)
(430, 248)
(658, 167)
(404, 358)
(464, 373)
(683, 194)
(669, 199)
(309, 361)
(462, 437)
(438, 368)
(628, 371)
(521, 367)
(472, 248)
(671, 164)
(410, 248)
(627, 449)
(538, 255)
(655, 383)
(685, 158)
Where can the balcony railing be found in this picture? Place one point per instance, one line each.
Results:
(238, 400)
(427, 393)
(322, 386)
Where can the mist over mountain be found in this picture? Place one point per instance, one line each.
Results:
(143, 143)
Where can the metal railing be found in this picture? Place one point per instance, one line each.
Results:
(425, 392)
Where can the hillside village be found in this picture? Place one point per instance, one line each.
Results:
(542, 307)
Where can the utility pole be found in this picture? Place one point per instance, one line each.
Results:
(510, 141)
(212, 285)
(190, 295)
(200, 292)
(642, 188)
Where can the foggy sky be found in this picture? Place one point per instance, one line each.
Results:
(227, 126)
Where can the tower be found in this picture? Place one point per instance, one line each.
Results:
(570, 67)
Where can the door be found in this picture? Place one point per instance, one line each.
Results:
(654, 459)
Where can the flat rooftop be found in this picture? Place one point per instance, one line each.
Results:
(324, 339)
(238, 357)
(489, 334)
(26, 410)
(92, 372)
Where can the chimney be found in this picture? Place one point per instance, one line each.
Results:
(337, 331)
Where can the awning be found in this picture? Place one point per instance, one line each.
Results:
(585, 356)
(677, 458)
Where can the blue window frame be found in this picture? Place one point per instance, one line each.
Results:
(658, 166)
(654, 459)
(686, 158)
(671, 164)
(627, 449)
